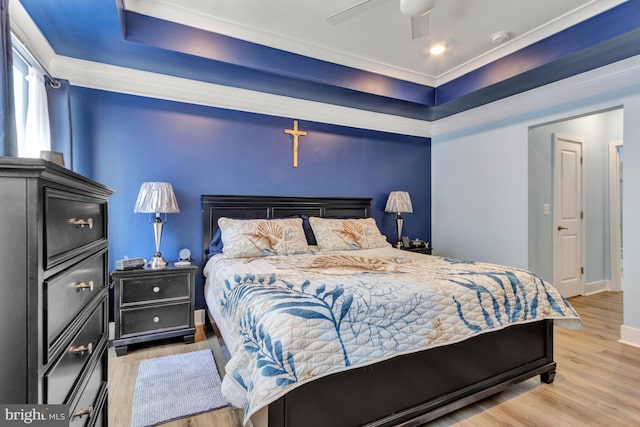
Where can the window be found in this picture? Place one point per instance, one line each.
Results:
(21, 97)
(30, 99)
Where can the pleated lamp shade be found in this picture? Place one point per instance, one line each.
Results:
(399, 201)
(156, 197)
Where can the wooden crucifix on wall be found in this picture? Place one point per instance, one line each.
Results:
(295, 133)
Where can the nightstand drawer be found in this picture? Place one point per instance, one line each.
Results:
(68, 293)
(64, 374)
(158, 318)
(72, 223)
(152, 288)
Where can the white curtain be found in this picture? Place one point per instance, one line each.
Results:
(37, 134)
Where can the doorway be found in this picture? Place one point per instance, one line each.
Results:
(597, 130)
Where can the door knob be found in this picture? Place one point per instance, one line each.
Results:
(560, 228)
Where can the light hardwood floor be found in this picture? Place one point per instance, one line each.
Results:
(597, 382)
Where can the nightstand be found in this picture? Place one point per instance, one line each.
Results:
(152, 304)
(420, 250)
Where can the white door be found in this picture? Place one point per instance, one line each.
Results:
(568, 266)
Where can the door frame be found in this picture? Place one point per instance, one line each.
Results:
(615, 237)
(555, 220)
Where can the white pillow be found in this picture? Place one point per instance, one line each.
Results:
(343, 234)
(243, 238)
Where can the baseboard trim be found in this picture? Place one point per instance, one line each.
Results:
(596, 287)
(199, 316)
(629, 336)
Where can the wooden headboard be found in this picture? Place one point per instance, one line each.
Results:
(269, 207)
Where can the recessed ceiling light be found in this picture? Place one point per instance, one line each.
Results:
(437, 49)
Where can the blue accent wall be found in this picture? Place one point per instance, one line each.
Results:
(123, 140)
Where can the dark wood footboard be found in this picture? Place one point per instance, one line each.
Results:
(413, 389)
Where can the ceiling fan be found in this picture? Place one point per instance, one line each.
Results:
(417, 10)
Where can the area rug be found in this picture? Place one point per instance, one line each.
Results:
(178, 386)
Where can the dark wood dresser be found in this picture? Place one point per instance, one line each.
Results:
(53, 289)
(152, 304)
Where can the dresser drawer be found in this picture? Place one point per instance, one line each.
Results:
(65, 373)
(155, 288)
(157, 318)
(70, 291)
(71, 223)
(88, 406)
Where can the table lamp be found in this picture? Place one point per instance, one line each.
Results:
(398, 202)
(156, 198)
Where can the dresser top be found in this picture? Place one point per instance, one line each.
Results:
(18, 167)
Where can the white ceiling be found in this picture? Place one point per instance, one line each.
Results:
(379, 40)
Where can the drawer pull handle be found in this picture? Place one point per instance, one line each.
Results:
(156, 319)
(81, 223)
(84, 286)
(82, 412)
(156, 289)
(81, 349)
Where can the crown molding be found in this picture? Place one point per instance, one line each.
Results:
(185, 16)
(607, 79)
(136, 82)
(143, 83)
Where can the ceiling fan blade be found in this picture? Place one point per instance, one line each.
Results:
(351, 11)
(419, 26)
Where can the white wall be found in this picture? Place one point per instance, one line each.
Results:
(479, 210)
(480, 174)
(631, 227)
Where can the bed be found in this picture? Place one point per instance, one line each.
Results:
(408, 386)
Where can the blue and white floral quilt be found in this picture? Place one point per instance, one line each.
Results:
(297, 318)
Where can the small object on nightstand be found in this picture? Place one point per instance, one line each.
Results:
(417, 243)
(184, 257)
(130, 263)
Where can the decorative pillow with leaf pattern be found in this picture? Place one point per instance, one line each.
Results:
(243, 238)
(343, 234)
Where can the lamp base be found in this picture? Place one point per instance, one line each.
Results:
(157, 262)
(399, 222)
